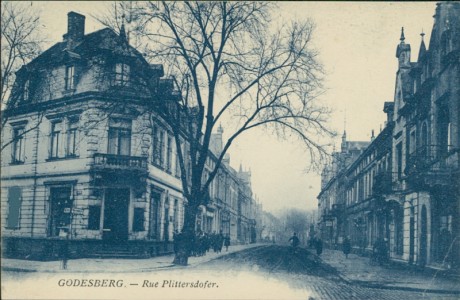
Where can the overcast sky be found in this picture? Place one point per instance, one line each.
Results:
(357, 44)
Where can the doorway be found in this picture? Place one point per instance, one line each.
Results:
(116, 214)
(60, 211)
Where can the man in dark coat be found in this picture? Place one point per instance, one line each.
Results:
(319, 246)
(346, 246)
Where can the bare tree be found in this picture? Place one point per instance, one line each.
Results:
(229, 62)
(21, 42)
(296, 220)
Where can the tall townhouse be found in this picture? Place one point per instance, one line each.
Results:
(367, 180)
(406, 189)
(84, 163)
(331, 199)
(89, 162)
(425, 146)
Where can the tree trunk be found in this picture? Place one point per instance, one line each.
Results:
(184, 241)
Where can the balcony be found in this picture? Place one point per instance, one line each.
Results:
(431, 165)
(382, 183)
(113, 162)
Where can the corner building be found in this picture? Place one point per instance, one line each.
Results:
(87, 161)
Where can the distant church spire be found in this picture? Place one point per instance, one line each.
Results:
(402, 38)
(422, 50)
(122, 29)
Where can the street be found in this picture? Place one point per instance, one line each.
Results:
(262, 272)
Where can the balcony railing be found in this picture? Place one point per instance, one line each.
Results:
(432, 165)
(423, 158)
(119, 162)
(382, 183)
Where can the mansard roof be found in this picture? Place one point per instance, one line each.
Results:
(104, 41)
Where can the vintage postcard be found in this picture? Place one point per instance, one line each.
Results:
(230, 150)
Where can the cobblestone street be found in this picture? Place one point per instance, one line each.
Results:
(272, 271)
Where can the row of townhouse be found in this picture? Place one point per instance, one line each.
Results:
(404, 187)
(84, 160)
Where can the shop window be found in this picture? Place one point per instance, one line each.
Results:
(60, 211)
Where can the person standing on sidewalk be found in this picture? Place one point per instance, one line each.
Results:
(346, 246)
(227, 242)
(64, 252)
(319, 246)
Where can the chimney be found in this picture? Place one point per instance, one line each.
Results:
(75, 29)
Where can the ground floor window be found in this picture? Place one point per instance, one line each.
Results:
(138, 219)
(14, 206)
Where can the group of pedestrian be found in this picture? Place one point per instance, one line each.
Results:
(379, 250)
(203, 242)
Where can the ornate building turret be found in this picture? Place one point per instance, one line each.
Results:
(403, 52)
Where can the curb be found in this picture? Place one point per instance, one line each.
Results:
(14, 269)
(402, 288)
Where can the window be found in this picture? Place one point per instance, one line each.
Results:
(70, 78)
(119, 141)
(18, 146)
(72, 136)
(177, 171)
(449, 136)
(14, 206)
(176, 214)
(121, 74)
(399, 159)
(424, 137)
(94, 217)
(56, 128)
(169, 154)
(412, 142)
(26, 93)
(138, 220)
(162, 147)
(158, 146)
(444, 129)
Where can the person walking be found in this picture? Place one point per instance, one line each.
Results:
(346, 247)
(294, 240)
(319, 246)
(64, 253)
(227, 243)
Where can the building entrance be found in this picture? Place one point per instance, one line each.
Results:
(116, 215)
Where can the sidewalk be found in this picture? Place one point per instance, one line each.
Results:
(95, 265)
(357, 269)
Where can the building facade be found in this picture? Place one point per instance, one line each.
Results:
(89, 163)
(404, 188)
